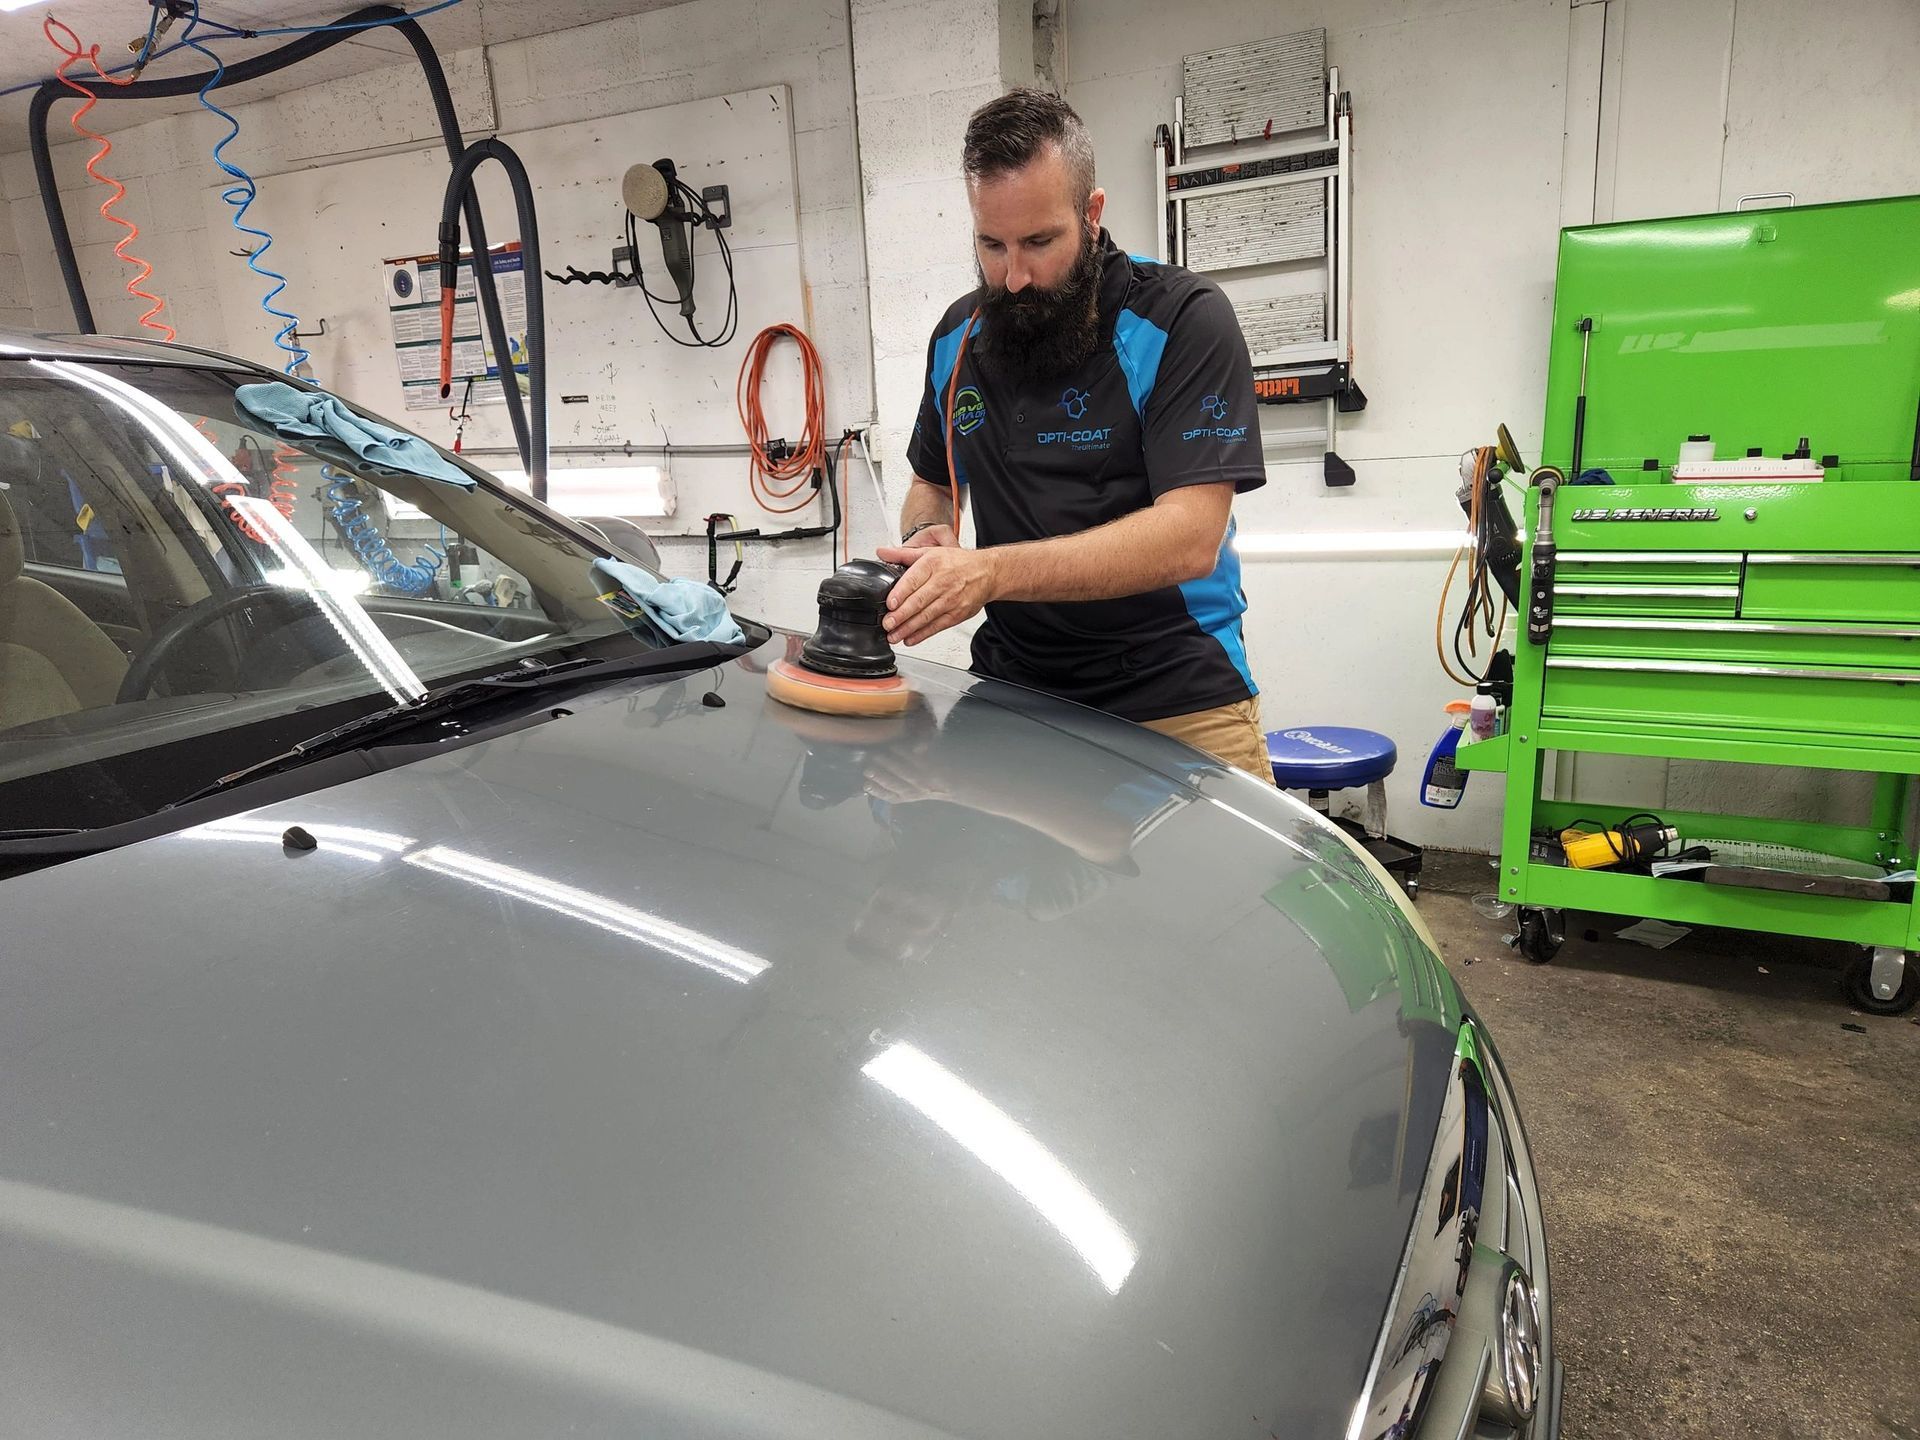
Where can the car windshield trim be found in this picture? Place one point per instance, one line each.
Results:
(32, 847)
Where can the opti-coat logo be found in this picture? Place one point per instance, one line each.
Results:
(1215, 408)
(969, 410)
(1075, 403)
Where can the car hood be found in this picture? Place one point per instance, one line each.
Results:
(691, 1065)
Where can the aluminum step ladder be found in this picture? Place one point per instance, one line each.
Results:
(1256, 178)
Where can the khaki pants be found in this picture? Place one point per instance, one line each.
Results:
(1227, 732)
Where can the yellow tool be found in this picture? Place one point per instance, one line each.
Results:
(1595, 850)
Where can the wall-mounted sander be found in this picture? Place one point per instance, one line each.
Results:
(846, 666)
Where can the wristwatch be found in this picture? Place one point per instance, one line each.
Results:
(915, 530)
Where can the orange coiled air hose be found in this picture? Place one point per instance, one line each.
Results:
(284, 491)
(73, 52)
(767, 474)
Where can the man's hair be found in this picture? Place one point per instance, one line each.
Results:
(1009, 133)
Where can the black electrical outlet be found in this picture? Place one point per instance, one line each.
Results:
(719, 206)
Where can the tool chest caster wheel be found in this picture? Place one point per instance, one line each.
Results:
(1542, 933)
(1901, 972)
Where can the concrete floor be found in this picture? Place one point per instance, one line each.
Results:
(1731, 1177)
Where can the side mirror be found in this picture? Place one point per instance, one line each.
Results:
(624, 537)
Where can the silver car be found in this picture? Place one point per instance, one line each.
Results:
(434, 1002)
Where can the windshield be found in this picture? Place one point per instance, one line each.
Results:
(184, 592)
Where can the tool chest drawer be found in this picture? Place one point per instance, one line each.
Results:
(1794, 644)
(1646, 583)
(1815, 587)
(1797, 699)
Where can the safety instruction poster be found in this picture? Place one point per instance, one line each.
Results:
(412, 284)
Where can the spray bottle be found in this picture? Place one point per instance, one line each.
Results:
(1445, 782)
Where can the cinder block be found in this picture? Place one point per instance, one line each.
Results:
(949, 110)
(840, 332)
(833, 247)
(896, 146)
(721, 38)
(589, 57)
(806, 25)
(828, 164)
(915, 225)
(13, 281)
(17, 177)
(828, 100)
(921, 48)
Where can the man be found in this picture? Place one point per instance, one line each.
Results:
(1103, 418)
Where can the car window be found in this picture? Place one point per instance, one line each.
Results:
(264, 588)
(57, 526)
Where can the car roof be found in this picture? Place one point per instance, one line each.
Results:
(25, 344)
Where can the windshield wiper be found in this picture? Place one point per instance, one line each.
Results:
(530, 677)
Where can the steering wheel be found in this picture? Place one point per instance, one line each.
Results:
(167, 641)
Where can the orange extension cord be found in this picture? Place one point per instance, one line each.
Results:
(74, 52)
(953, 389)
(767, 475)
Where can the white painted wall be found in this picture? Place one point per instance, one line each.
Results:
(613, 68)
(1457, 153)
(1481, 126)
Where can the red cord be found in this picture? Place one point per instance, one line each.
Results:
(226, 490)
(953, 388)
(284, 491)
(91, 54)
(810, 454)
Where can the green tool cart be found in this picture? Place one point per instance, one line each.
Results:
(1761, 604)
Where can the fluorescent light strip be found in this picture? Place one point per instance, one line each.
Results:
(998, 1141)
(608, 915)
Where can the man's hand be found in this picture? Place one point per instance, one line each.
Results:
(933, 535)
(945, 584)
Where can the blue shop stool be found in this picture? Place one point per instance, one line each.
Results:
(1321, 759)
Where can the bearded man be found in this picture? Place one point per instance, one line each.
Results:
(1100, 413)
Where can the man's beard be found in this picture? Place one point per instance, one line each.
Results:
(1044, 334)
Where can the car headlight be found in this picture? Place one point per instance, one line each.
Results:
(1433, 1270)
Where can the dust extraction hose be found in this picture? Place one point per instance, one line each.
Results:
(533, 453)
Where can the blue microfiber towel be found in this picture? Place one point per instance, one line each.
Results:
(682, 609)
(317, 415)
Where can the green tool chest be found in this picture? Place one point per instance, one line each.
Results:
(1774, 620)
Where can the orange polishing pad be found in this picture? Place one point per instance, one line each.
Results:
(832, 695)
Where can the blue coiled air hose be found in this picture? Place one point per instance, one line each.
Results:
(363, 536)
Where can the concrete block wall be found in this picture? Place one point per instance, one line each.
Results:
(921, 67)
(613, 67)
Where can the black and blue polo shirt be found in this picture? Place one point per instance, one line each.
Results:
(1166, 400)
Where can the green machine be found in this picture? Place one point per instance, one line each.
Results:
(1749, 588)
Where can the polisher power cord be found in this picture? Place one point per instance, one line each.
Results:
(74, 51)
(953, 389)
(766, 474)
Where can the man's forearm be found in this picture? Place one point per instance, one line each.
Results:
(1147, 550)
(925, 504)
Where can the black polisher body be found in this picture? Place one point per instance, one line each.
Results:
(851, 641)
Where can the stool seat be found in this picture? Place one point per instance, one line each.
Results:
(1329, 757)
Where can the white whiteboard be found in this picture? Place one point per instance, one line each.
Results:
(334, 227)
